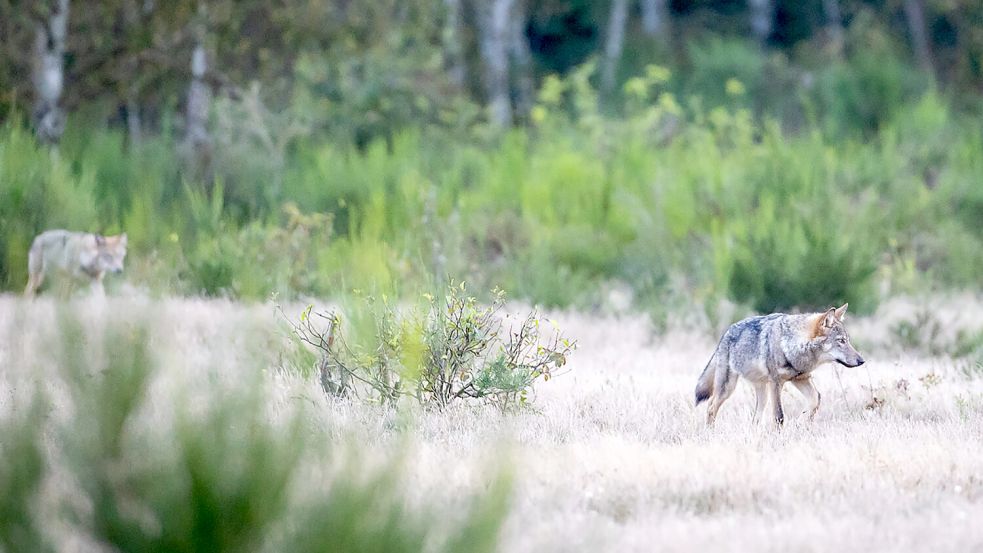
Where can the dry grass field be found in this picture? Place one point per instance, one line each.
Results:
(613, 456)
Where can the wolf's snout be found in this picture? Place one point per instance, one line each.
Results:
(860, 361)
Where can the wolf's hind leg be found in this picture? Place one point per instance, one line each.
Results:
(811, 395)
(35, 270)
(760, 401)
(724, 386)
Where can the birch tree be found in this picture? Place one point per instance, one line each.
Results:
(915, 14)
(48, 72)
(762, 19)
(834, 24)
(453, 48)
(197, 141)
(521, 58)
(613, 44)
(655, 18)
(494, 21)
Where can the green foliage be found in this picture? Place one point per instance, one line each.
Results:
(220, 476)
(716, 61)
(870, 89)
(454, 348)
(802, 260)
(38, 191)
(671, 198)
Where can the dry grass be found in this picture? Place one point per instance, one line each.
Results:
(614, 456)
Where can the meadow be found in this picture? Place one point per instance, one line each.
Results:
(310, 347)
(610, 455)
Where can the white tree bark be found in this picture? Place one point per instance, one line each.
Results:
(134, 125)
(655, 18)
(834, 24)
(522, 59)
(762, 17)
(494, 21)
(197, 140)
(196, 137)
(613, 44)
(48, 73)
(915, 13)
(453, 49)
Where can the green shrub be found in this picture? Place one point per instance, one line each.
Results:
(801, 260)
(453, 349)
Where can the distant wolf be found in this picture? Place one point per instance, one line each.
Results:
(771, 350)
(79, 256)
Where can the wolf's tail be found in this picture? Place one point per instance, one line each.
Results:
(704, 386)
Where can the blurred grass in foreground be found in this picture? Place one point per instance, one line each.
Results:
(220, 476)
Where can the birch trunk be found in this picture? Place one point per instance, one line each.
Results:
(494, 50)
(655, 18)
(834, 25)
(762, 16)
(197, 141)
(613, 44)
(48, 73)
(522, 60)
(452, 43)
(915, 14)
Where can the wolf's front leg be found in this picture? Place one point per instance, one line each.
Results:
(98, 291)
(776, 392)
(811, 395)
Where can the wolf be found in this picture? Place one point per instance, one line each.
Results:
(78, 256)
(771, 350)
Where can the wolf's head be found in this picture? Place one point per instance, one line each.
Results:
(111, 252)
(834, 341)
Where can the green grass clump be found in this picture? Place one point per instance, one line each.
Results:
(218, 476)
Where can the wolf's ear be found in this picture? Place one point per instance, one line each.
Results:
(122, 242)
(841, 311)
(828, 320)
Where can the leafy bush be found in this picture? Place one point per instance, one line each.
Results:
(871, 87)
(454, 349)
(801, 261)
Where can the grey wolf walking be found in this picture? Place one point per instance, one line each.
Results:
(771, 350)
(76, 256)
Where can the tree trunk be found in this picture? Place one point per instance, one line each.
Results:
(655, 18)
(762, 16)
(134, 125)
(834, 25)
(915, 13)
(197, 141)
(613, 44)
(494, 50)
(49, 73)
(522, 60)
(453, 49)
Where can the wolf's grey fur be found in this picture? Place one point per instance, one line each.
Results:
(77, 256)
(771, 350)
